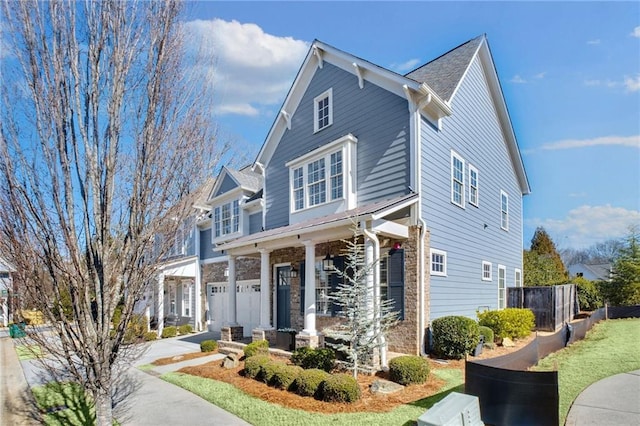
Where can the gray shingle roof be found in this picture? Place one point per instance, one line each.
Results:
(444, 73)
(247, 178)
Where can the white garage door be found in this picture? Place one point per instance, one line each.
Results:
(248, 305)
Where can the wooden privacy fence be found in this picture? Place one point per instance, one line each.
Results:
(552, 306)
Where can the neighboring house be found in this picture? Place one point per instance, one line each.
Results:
(6, 289)
(193, 278)
(426, 165)
(596, 272)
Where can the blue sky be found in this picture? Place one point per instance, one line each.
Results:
(570, 73)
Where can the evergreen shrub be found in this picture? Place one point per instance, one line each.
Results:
(514, 323)
(284, 375)
(322, 358)
(185, 329)
(170, 331)
(340, 388)
(253, 366)
(408, 370)
(487, 333)
(150, 336)
(454, 336)
(308, 381)
(259, 347)
(208, 345)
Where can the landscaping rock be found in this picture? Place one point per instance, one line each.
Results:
(508, 343)
(385, 387)
(231, 361)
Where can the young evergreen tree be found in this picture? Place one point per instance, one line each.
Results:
(625, 286)
(366, 317)
(543, 264)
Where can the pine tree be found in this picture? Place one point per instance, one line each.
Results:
(543, 264)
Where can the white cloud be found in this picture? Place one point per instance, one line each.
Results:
(540, 75)
(635, 32)
(517, 79)
(586, 225)
(631, 141)
(578, 194)
(594, 42)
(632, 84)
(249, 69)
(407, 66)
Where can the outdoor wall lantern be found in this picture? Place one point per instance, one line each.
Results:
(293, 272)
(327, 263)
(226, 272)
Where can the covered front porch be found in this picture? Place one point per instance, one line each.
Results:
(296, 277)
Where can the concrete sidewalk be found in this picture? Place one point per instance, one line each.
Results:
(144, 399)
(612, 401)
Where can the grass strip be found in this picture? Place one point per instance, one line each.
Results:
(64, 404)
(26, 352)
(257, 411)
(609, 348)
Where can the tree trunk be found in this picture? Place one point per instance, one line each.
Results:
(104, 412)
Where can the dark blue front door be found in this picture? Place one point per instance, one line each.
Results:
(283, 301)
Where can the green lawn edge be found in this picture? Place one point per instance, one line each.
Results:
(609, 348)
(257, 411)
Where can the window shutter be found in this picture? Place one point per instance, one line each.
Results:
(301, 274)
(396, 281)
(336, 280)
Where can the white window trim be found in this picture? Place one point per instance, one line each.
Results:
(444, 266)
(189, 294)
(517, 272)
(327, 94)
(504, 288)
(462, 190)
(477, 186)
(346, 144)
(490, 277)
(233, 234)
(502, 225)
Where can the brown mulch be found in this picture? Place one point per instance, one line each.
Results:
(180, 358)
(369, 402)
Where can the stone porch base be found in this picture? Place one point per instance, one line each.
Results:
(232, 334)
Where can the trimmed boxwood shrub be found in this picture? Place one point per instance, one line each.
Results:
(487, 333)
(408, 370)
(340, 388)
(308, 381)
(170, 331)
(208, 345)
(514, 323)
(284, 375)
(259, 347)
(322, 358)
(268, 370)
(454, 336)
(253, 366)
(150, 336)
(185, 329)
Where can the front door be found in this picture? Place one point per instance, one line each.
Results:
(283, 300)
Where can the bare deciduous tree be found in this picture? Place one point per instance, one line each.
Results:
(104, 130)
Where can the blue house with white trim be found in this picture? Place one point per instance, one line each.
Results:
(426, 165)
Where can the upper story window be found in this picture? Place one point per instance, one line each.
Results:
(486, 271)
(226, 219)
(322, 176)
(457, 179)
(473, 185)
(438, 262)
(517, 278)
(504, 210)
(323, 111)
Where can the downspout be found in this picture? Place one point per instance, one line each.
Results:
(423, 231)
(376, 295)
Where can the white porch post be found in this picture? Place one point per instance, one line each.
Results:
(310, 289)
(160, 304)
(265, 321)
(198, 298)
(232, 317)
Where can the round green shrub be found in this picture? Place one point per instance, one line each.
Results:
(454, 336)
(253, 366)
(185, 329)
(170, 331)
(408, 370)
(487, 333)
(322, 358)
(259, 347)
(208, 345)
(268, 370)
(150, 336)
(514, 323)
(340, 388)
(308, 381)
(284, 375)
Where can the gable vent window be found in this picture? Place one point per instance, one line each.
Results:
(457, 180)
(323, 111)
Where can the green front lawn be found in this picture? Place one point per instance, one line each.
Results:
(610, 348)
(64, 404)
(257, 411)
(26, 352)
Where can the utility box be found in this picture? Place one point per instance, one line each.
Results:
(457, 409)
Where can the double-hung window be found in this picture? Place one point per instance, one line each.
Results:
(502, 287)
(336, 175)
(298, 189)
(517, 278)
(438, 262)
(323, 111)
(226, 219)
(473, 185)
(457, 179)
(504, 210)
(316, 183)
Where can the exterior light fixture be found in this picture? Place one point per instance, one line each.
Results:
(327, 263)
(293, 272)
(226, 272)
